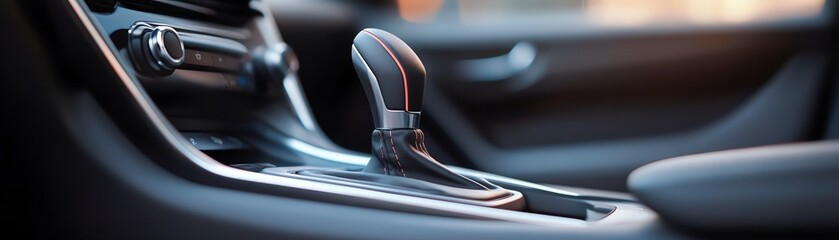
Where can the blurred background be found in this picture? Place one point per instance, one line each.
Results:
(605, 12)
(580, 92)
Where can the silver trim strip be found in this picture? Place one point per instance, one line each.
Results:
(280, 62)
(325, 154)
(291, 86)
(512, 181)
(202, 160)
(298, 102)
(513, 196)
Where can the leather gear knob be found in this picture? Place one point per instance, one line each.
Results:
(393, 78)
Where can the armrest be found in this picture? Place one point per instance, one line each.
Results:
(789, 188)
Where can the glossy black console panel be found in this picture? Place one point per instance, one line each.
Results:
(217, 56)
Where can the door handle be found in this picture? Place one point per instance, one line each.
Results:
(518, 60)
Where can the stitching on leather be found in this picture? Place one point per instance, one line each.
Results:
(416, 139)
(425, 152)
(422, 145)
(423, 142)
(422, 134)
(382, 149)
(399, 164)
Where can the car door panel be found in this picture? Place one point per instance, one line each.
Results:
(589, 109)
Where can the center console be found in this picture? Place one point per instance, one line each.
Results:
(216, 78)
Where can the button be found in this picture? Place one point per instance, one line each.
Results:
(173, 44)
(199, 78)
(226, 62)
(212, 141)
(230, 82)
(238, 82)
(199, 58)
(233, 82)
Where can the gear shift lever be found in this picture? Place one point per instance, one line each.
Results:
(393, 78)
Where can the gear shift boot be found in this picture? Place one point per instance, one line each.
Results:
(401, 152)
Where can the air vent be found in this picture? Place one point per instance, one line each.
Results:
(230, 12)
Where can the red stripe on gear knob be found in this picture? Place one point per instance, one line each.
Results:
(398, 64)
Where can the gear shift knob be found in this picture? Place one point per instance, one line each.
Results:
(392, 76)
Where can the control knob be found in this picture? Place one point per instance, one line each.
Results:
(156, 49)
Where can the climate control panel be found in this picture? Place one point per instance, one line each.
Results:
(176, 58)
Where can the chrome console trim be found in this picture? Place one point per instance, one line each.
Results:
(171, 135)
(325, 154)
(298, 101)
(512, 200)
(502, 179)
(291, 84)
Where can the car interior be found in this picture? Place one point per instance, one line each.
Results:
(420, 119)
